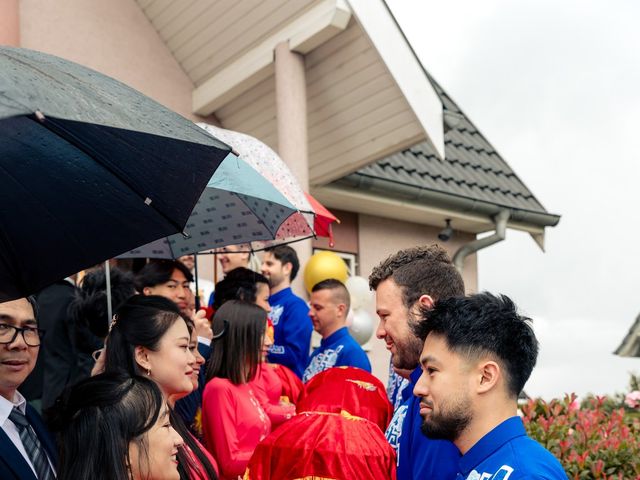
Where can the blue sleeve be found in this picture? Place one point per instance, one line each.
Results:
(293, 338)
(354, 357)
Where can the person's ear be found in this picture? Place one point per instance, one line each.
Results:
(489, 375)
(426, 301)
(342, 310)
(286, 268)
(147, 291)
(142, 358)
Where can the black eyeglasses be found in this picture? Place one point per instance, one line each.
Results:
(31, 335)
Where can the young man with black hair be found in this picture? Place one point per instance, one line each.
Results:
(289, 313)
(405, 282)
(478, 353)
(329, 307)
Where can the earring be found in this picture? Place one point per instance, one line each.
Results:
(148, 372)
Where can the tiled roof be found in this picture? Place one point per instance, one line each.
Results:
(472, 168)
(630, 346)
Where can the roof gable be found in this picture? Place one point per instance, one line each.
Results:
(471, 168)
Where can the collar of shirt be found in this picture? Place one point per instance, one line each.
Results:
(281, 295)
(6, 406)
(415, 376)
(334, 337)
(492, 441)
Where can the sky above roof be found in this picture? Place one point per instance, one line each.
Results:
(554, 86)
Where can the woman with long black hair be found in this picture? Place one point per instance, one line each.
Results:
(149, 337)
(116, 427)
(233, 420)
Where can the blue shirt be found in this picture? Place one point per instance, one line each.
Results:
(506, 452)
(396, 388)
(420, 457)
(337, 350)
(292, 331)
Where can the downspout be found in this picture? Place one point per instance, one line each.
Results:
(500, 234)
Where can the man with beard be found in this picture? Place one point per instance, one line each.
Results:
(405, 282)
(478, 353)
(289, 313)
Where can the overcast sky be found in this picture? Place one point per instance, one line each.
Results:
(555, 88)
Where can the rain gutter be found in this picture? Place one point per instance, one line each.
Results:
(450, 201)
(500, 234)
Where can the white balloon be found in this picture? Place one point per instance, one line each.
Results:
(361, 326)
(359, 291)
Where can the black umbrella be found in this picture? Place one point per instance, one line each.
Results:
(89, 169)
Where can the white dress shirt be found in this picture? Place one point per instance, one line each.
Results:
(11, 430)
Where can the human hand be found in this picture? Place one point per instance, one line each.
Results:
(202, 324)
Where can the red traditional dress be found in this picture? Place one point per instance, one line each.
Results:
(233, 424)
(268, 389)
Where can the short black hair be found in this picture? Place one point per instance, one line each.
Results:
(239, 284)
(286, 254)
(34, 305)
(157, 272)
(338, 288)
(485, 325)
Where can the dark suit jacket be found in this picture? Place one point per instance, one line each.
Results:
(56, 365)
(12, 464)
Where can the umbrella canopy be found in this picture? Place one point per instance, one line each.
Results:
(327, 446)
(89, 168)
(273, 168)
(323, 219)
(238, 206)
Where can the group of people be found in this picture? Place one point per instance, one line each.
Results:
(173, 394)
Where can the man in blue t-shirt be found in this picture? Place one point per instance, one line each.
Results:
(289, 313)
(329, 306)
(478, 353)
(405, 282)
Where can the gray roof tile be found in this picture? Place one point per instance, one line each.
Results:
(471, 168)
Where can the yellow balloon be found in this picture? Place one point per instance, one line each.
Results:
(322, 266)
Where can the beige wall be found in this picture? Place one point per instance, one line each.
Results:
(379, 238)
(113, 37)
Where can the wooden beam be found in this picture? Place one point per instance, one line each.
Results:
(395, 51)
(311, 29)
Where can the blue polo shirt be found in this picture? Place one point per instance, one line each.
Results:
(337, 350)
(292, 331)
(420, 457)
(506, 452)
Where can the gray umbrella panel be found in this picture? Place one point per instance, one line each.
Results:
(219, 218)
(98, 99)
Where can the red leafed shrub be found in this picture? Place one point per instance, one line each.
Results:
(597, 439)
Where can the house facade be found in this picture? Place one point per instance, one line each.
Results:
(333, 86)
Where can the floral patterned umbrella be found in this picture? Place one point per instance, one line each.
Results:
(267, 162)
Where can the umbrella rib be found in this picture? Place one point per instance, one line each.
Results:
(63, 133)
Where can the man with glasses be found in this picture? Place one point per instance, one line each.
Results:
(26, 449)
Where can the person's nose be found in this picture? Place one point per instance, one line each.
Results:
(381, 333)
(177, 439)
(18, 342)
(191, 358)
(421, 389)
